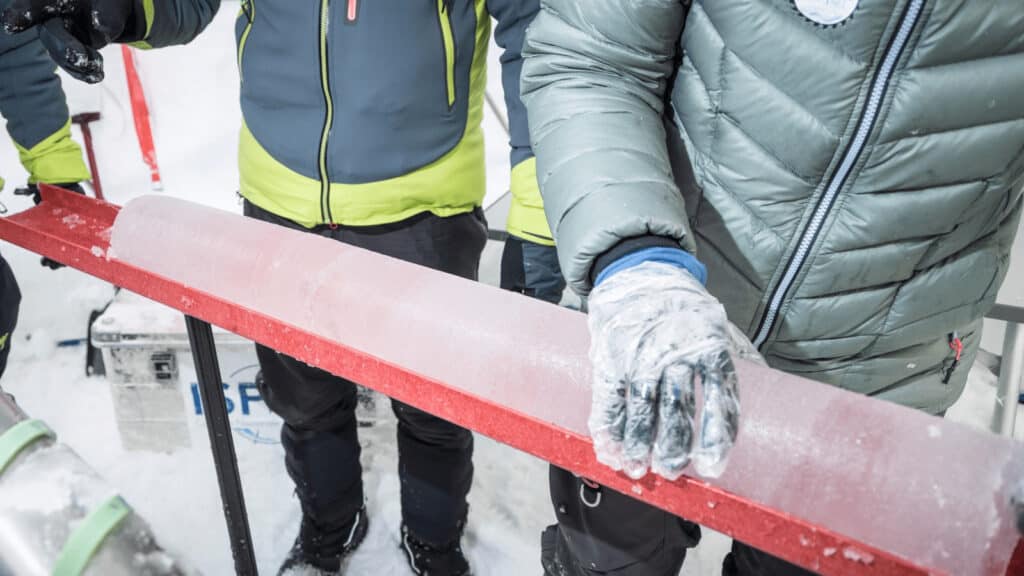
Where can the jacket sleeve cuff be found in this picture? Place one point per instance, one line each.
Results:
(635, 251)
(57, 158)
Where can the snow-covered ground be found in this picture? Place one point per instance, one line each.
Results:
(193, 101)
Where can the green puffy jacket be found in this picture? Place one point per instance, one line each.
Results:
(364, 112)
(849, 171)
(32, 102)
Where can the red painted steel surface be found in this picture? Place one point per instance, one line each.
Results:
(83, 120)
(830, 480)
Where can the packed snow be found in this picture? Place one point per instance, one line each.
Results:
(193, 94)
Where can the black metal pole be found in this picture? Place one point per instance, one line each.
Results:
(204, 352)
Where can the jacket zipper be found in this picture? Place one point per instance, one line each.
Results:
(249, 9)
(865, 126)
(325, 85)
(352, 11)
(957, 346)
(444, 18)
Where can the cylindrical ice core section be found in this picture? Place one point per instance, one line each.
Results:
(927, 490)
(438, 325)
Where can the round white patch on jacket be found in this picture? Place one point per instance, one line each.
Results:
(826, 12)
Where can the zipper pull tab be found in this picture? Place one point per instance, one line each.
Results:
(957, 346)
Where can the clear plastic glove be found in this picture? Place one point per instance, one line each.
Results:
(656, 331)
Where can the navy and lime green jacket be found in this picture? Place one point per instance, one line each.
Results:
(363, 112)
(32, 102)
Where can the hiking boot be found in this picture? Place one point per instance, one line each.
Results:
(429, 560)
(316, 553)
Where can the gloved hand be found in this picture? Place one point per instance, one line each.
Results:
(74, 30)
(655, 331)
(33, 191)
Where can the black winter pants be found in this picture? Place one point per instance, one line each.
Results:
(320, 430)
(603, 532)
(531, 269)
(10, 300)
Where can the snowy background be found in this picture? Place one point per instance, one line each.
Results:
(192, 93)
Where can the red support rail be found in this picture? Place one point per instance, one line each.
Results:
(832, 481)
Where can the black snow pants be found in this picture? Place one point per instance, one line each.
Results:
(320, 430)
(603, 532)
(531, 269)
(10, 300)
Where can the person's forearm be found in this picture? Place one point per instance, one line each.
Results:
(31, 98)
(513, 17)
(594, 83)
(172, 22)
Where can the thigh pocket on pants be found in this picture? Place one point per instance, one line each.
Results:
(616, 534)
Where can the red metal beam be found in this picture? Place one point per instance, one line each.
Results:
(829, 480)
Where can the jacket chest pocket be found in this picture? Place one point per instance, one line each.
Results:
(420, 41)
(444, 20)
(445, 34)
(400, 78)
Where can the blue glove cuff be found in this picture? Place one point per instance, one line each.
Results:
(674, 256)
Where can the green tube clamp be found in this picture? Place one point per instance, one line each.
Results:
(19, 437)
(89, 535)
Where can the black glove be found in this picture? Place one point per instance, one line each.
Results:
(74, 30)
(33, 191)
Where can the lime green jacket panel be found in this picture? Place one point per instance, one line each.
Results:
(526, 217)
(55, 160)
(452, 185)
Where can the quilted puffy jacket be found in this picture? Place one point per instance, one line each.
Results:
(850, 172)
